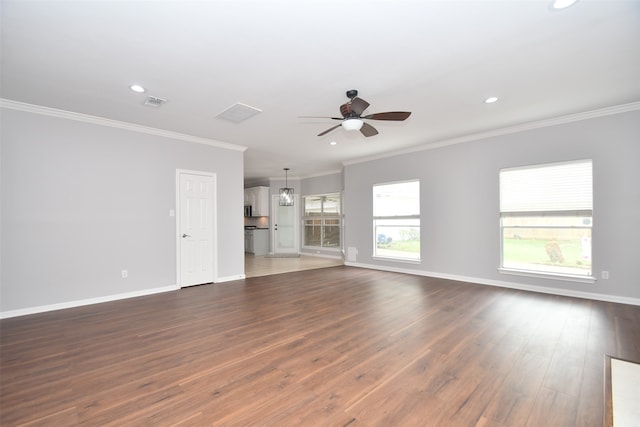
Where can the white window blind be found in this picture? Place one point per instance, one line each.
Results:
(558, 187)
(396, 199)
(322, 221)
(396, 220)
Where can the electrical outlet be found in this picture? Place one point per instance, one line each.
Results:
(605, 274)
(125, 274)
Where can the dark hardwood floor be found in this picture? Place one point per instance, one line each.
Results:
(340, 346)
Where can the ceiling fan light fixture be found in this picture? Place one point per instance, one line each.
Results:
(562, 4)
(352, 124)
(352, 116)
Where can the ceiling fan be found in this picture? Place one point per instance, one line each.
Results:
(352, 118)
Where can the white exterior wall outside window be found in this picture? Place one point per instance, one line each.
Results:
(546, 216)
(322, 223)
(396, 220)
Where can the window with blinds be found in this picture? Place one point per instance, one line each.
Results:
(396, 220)
(546, 218)
(322, 221)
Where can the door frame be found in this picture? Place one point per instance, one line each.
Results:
(214, 224)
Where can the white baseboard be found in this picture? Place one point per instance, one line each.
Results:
(78, 303)
(322, 255)
(503, 284)
(498, 283)
(230, 278)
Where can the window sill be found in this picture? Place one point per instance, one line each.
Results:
(564, 277)
(405, 260)
(321, 248)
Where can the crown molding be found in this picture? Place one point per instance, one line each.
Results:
(85, 118)
(301, 177)
(279, 178)
(602, 112)
(317, 175)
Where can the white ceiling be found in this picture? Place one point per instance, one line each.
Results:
(437, 59)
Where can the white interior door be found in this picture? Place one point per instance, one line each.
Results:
(195, 228)
(286, 226)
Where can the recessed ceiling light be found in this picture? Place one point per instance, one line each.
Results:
(562, 4)
(333, 143)
(137, 88)
(490, 100)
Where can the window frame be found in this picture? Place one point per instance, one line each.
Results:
(539, 214)
(323, 218)
(402, 217)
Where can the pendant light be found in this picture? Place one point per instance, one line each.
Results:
(286, 193)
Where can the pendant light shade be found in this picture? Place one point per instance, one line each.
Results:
(286, 193)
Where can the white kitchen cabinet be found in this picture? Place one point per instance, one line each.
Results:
(256, 241)
(258, 199)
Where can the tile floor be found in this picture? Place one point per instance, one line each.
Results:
(255, 266)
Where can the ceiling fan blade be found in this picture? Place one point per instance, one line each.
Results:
(368, 130)
(345, 110)
(320, 117)
(330, 129)
(390, 115)
(358, 105)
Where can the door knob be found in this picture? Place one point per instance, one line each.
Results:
(185, 235)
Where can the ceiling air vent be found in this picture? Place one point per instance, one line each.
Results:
(154, 101)
(238, 113)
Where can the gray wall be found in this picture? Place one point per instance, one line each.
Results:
(460, 211)
(81, 202)
(330, 183)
